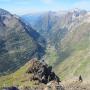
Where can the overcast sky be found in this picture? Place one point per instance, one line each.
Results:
(32, 6)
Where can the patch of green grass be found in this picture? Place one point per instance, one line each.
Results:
(76, 64)
(51, 55)
(19, 78)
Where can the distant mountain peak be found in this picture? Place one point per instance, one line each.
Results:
(4, 12)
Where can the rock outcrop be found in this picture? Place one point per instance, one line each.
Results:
(42, 72)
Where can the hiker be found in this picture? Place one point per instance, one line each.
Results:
(80, 78)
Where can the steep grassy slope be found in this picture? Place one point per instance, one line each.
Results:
(51, 55)
(77, 47)
(18, 43)
(19, 78)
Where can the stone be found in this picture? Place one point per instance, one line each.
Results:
(42, 72)
(54, 85)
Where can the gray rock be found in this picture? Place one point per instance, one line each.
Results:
(42, 72)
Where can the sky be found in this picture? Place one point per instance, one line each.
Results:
(21, 7)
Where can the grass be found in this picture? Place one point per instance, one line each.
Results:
(77, 64)
(19, 78)
(51, 55)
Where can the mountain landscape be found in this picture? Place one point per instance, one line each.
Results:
(60, 39)
(18, 43)
(68, 40)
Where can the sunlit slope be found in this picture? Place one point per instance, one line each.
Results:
(19, 78)
(76, 45)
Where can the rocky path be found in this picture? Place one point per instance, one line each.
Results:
(76, 85)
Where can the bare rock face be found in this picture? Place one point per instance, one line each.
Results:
(42, 72)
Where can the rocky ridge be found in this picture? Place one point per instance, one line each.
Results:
(40, 72)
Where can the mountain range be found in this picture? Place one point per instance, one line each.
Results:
(62, 39)
(68, 40)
